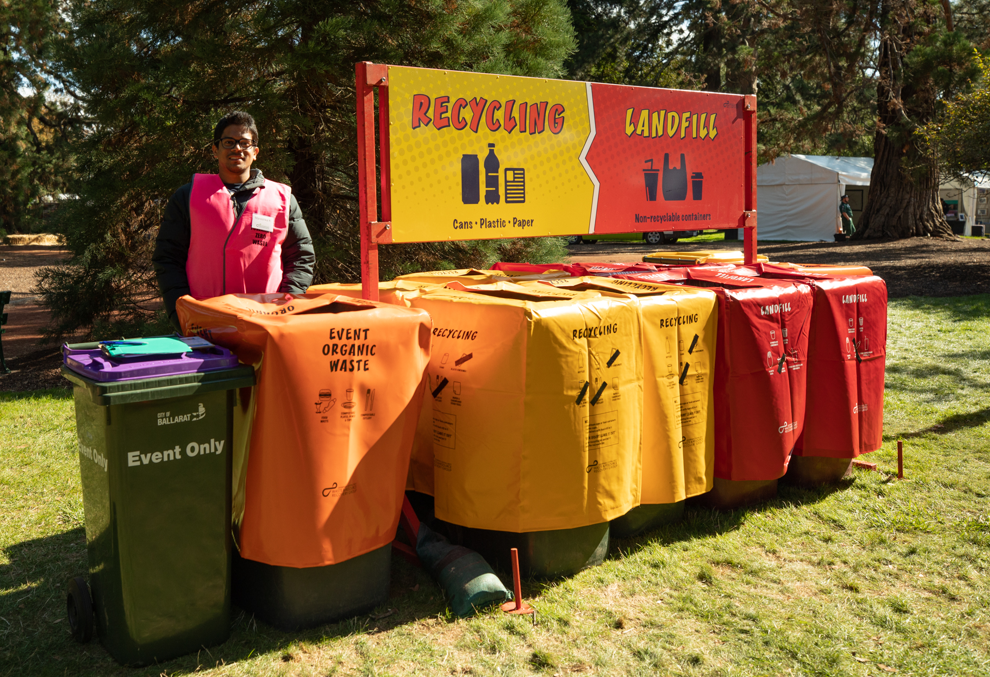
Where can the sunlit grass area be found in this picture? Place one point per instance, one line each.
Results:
(870, 576)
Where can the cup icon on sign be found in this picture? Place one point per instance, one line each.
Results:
(651, 176)
(697, 181)
(675, 183)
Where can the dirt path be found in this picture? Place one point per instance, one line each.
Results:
(915, 267)
(29, 361)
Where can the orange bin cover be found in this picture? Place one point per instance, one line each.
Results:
(846, 360)
(335, 410)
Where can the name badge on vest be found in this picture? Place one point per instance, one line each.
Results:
(262, 222)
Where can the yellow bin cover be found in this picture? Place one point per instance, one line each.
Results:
(534, 407)
(335, 410)
(679, 334)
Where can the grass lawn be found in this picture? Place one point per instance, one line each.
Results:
(872, 576)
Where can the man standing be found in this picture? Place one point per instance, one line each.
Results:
(846, 212)
(232, 232)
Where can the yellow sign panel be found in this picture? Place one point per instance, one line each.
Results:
(476, 156)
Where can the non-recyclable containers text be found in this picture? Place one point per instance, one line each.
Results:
(760, 380)
(155, 434)
(536, 399)
(317, 496)
(679, 332)
(846, 361)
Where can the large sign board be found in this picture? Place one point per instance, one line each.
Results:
(475, 156)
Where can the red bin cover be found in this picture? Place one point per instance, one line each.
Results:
(846, 362)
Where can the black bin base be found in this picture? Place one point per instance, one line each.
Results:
(645, 518)
(542, 554)
(293, 599)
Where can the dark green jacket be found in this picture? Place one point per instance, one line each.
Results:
(847, 218)
(172, 245)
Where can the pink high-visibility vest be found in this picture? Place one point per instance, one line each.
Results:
(235, 257)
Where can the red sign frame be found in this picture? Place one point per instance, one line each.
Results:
(376, 228)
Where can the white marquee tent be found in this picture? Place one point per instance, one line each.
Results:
(798, 195)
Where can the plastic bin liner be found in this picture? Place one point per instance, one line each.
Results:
(537, 268)
(536, 402)
(812, 269)
(336, 405)
(701, 257)
(392, 293)
(574, 269)
(470, 276)
(679, 332)
(760, 372)
(846, 362)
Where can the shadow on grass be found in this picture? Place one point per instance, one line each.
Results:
(951, 424)
(703, 522)
(919, 375)
(958, 308)
(34, 637)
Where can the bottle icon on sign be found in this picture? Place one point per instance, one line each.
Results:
(491, 176)
(470, 180)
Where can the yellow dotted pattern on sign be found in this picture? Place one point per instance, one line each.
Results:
(431, 168)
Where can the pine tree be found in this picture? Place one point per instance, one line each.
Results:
(36, 126)
(155, 75)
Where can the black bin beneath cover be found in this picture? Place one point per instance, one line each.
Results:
(542, 554)
(293, 599)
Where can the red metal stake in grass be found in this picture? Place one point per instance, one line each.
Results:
(900, 460)
(517, 606)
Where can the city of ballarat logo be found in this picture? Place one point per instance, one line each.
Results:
(166, 417)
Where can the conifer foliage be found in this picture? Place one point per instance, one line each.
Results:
(155, 75)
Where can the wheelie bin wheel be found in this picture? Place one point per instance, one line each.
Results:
(80, 609)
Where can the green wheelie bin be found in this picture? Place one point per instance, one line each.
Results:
(155, 431)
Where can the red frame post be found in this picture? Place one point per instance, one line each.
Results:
(367, 76)
(749, 189)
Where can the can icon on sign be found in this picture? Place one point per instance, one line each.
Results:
(470, 180)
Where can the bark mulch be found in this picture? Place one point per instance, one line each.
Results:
(913, 267)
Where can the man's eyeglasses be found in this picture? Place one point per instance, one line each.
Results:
(230, 144)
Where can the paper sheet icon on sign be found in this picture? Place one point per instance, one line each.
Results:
(515, 185)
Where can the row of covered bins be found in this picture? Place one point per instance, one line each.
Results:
(542, 408)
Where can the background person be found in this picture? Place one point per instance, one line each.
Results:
(234, 231)
(846, 212)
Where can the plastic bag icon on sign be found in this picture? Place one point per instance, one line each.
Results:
(675, 182)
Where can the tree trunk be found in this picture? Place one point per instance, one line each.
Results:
(903, 199)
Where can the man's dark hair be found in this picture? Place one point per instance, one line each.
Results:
(237, 117)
